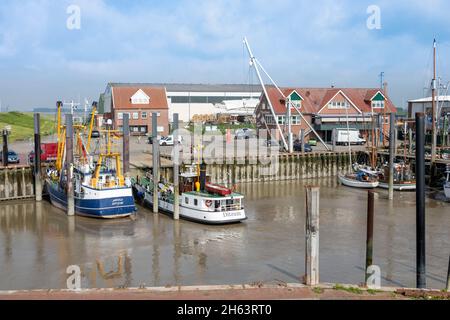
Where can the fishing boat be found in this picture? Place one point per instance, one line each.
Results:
(403, 177)
(363, 178)
(447, 182)
(100, 189)
(199, 200)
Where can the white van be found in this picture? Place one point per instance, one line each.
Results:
(343, 136)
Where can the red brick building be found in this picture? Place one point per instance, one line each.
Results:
(139, 103)
(325, 109)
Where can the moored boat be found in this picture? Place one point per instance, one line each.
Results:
(199, 200)
(100, 190)
(363, 178)
(447, 183)
(403, 177)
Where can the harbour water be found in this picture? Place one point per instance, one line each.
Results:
(38, 242)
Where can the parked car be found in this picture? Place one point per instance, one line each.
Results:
(312, 142)
(95, 134)
(12, 157)
(168, 141)
(298, 146)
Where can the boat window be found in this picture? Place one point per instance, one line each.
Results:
(186, 200)
(217, 204)
(195, 202)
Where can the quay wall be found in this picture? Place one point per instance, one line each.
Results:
(282, 167)
(16, 183)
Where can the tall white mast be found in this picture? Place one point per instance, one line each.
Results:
(253, 62)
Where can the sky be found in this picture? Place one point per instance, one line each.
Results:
(300, 43)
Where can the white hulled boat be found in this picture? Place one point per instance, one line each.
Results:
(363, 178)
(200, 201)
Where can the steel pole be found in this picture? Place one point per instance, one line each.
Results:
(69, 165)
(37, 158)
(420, 200)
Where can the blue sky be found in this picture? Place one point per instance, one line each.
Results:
(300, 43)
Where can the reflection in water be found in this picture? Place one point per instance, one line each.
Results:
(38, 242)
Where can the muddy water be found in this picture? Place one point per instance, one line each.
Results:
(38, 242)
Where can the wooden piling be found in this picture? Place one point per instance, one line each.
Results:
(126, 144)
(176, 169)
(391, 155)
(312, 236)
(369, 235)
(155, 156)
(69, 165)
(447, 287)
(37, 157)
(5, 148)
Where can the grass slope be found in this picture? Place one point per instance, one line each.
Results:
(22, 124)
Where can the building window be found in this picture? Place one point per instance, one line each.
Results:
(120, 116)
(195, 202)
(144, 115)
(186, 200)
(295, 119)
(269, 119)
(378, 104)
(281, 119)
(338, 105)
(143, 129)
(135, 115)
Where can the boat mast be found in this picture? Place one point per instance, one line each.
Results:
(254, 63)
(433, 107)
(348, 141)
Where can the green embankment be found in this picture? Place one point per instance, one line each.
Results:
(22, 124)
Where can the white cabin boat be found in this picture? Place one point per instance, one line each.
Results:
(363, 178)
(199, 201)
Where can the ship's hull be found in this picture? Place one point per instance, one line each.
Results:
(349, 182)
(99, 205)
(201, 216)
(398, 186)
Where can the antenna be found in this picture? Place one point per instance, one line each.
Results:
(381, 75)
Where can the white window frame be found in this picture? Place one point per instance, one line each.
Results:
(378, 104)
(135, 115)
(297, 121)
(119, 115)
(144, 114)
(281, 119)
(269, 119)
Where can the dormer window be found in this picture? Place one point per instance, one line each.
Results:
(378, 101)
(296, 99)
(140, 97)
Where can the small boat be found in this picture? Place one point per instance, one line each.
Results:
(403, 177)
(363, 178)
(200, 201)
(447, 182)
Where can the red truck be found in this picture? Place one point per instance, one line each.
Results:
(49, 152)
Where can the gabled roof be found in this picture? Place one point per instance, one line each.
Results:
(122, 97)
(140, 94)
(345, 96)
(314, 99)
